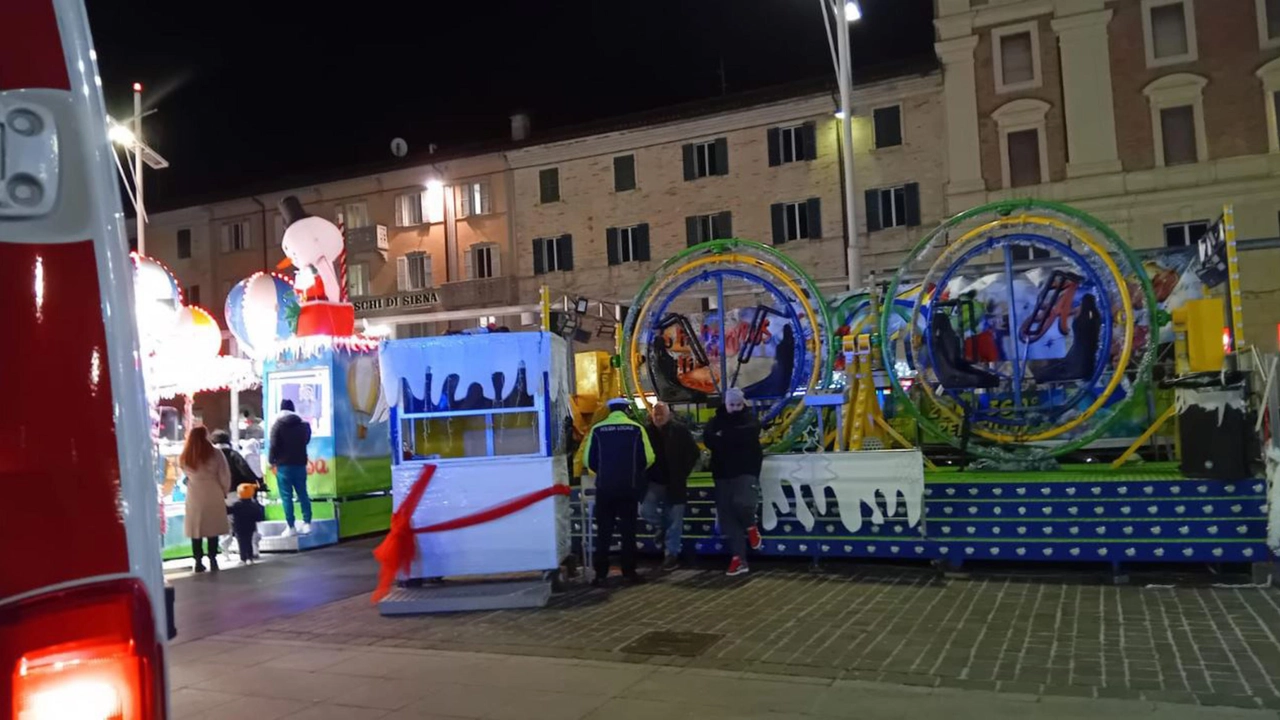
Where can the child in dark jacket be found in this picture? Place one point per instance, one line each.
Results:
(245, 514)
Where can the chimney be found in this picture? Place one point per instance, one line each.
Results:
(519, 127)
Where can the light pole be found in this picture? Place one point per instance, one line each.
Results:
(131, 140)
(845, 13)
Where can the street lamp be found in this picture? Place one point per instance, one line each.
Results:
(845, 13)
(131, 141)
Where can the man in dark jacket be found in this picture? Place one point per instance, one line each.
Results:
(618, 452)
(675, 455)
(287, 455)
(240, 471)
(733, 437)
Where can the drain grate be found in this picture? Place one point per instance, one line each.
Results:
(684, 644)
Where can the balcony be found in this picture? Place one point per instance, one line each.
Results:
(367, 239)
(490, 292)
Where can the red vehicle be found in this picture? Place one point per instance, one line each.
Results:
(82, 611)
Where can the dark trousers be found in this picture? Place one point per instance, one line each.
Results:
(736, 502)
(245, 541)
(198, 551)
(620, 513)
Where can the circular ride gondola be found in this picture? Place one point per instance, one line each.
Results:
(1031, 331)
(729, 313)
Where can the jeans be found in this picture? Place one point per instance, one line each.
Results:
(666, 518)
(736, 501)
(290, 479)
(611, 512)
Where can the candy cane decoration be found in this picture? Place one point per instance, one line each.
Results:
(342, 261)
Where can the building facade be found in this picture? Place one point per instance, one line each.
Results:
(1150, 114)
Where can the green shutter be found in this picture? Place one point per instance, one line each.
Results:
(814, 208)
(539, 257)
(722, 157)
(911, 191)
(611, 245)
(690, 170)
(724, 225)
(642, 242)
(777, 213)
(773, 136)
(873, 210)
(810, 135)
(549, 185)
(691, 231)
(564, 249)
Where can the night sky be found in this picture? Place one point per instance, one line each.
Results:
(252, 95)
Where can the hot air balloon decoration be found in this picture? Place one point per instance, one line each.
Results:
(258, 313)
(364, 388)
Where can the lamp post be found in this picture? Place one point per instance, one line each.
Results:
(131, 141)
(845, 13)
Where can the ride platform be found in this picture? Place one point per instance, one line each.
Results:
(1080, 513)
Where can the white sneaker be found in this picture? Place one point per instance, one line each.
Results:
(288, 533)
(305, 529)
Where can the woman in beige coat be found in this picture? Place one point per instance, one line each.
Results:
(208, 482)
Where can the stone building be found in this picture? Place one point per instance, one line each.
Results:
(1150, 114)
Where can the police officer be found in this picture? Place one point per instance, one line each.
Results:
(618, 452)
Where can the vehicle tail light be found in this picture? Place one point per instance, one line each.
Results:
(90, 652)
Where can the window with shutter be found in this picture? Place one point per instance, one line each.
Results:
(795, 221)
(1178, 128)
(184, 244)
(482, 261)
(791, 144)
(1016, 56)
(549, 185)
(1016, 67)
(1024, 158)
(887, 122)
(358, 279)
(415, 273)
(402, 274)
(473, 199)
(408, 210)
(891, 207)
(1271, 23)
(704, 158)
(193, 295)
(354, 215)
(1168, 31)
(624, 173)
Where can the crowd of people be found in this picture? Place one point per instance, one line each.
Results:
(223, 488)
(642, 470)
(647, 467)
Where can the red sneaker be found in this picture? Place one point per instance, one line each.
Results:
(737, 567)
(753, 538)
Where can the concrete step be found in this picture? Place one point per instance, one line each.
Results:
(466, 596)
(323, 532)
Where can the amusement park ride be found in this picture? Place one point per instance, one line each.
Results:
(1024, 388)
(966, 410)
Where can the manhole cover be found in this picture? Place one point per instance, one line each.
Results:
(686, 644)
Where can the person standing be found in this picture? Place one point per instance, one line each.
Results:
(208, 482)
(733, 437)
(290, 435)
(618, 452)
(675, 455)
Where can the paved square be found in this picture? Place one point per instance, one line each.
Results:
(1215, 646)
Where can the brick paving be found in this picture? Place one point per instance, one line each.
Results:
(1055, 637)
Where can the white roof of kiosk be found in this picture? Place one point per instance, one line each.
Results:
(475, 359)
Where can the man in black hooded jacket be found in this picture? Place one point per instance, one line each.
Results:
(287, 455)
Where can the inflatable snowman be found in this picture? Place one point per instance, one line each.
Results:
(317, 249)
